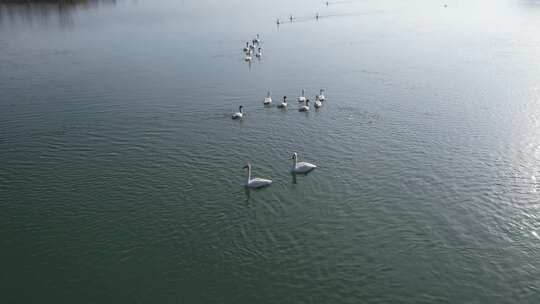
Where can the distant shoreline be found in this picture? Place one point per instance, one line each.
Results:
(52, 1)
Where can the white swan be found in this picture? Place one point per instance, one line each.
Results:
(259, 53)
(255, 182)
(302, 97)
(301, 167)
(305, 107)
(321, 95)
(267, 99)
(283, 104)
(256, 40)
(239, 114)
(318, 102)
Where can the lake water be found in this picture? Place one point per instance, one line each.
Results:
(121, 175)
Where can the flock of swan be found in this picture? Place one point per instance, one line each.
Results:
(302, 99)
(249, 49)
(298, 167)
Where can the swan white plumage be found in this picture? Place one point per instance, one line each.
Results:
(239, 114)
(248, 56)
(318, 102)
(283, 104)
(255, 182)
(301, 167)
(321, 95)
(267, 99)
(259, 53)
(305, 107)
(302, 98)
(256, 40)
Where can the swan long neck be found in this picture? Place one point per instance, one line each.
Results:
(249, 174)
(303, 92)
(295, 161)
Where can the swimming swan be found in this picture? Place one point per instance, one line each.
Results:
(305, 107)
(256, 40)
(255, 182)
(259, 53)
(318, 102)
(239, 114)
(267, 99)
(302, 97)
(301, 167)
(321, 95)
(283, 104)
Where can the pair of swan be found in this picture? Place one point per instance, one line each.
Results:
(318, 101)
(268, 101)
(298, 167)
(321, 97)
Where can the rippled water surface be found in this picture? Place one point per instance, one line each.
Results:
(121, 174)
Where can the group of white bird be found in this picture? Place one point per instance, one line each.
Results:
(302, 99)
(319, 99)
(298, 167)
(249, 49)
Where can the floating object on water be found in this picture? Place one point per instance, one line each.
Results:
(239, 114)
(305, 107)
(247, 47)
(283, 104)
(259, 53)
(255, 182)
(321, 95)
(301, 167)
(267, 99)
(302, 98)
(318, 102)
(256, 40)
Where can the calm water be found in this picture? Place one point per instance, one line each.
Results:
(121, 170)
